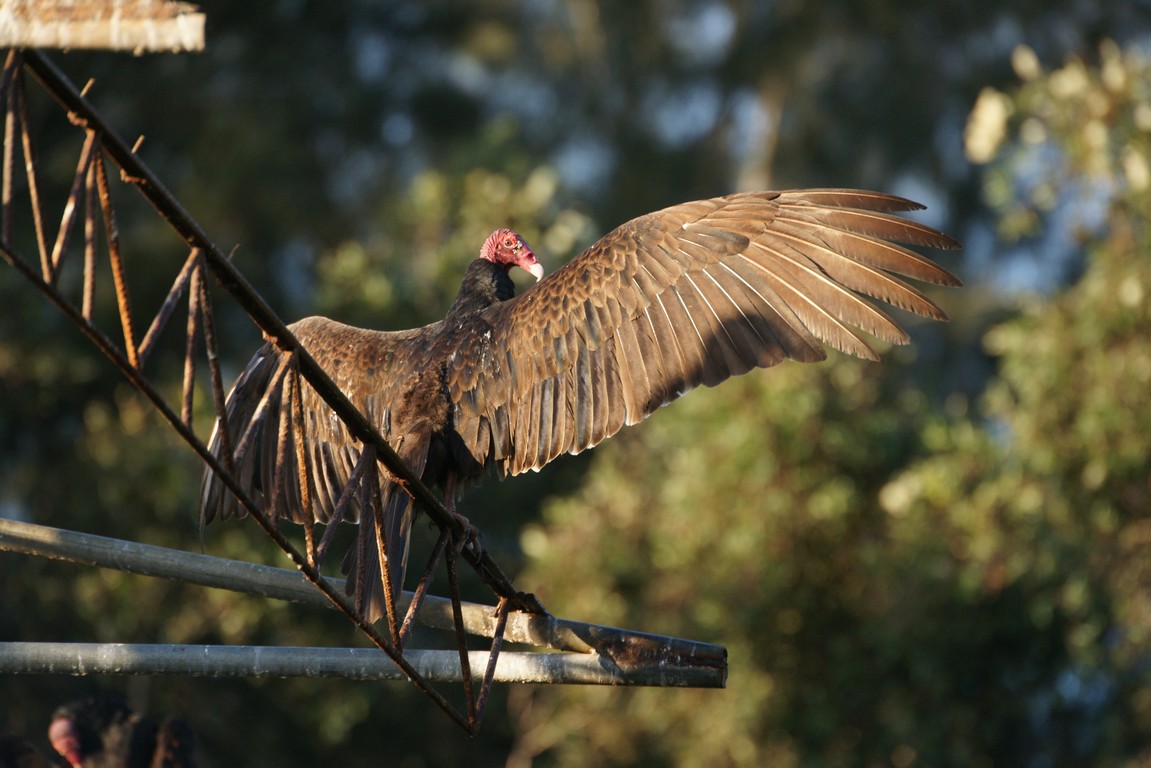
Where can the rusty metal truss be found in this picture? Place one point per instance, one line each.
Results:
(88, 223)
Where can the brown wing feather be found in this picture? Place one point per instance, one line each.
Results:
(690, 295)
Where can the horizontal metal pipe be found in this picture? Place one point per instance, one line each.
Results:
(20, 658)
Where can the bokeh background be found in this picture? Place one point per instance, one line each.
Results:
(940, 560)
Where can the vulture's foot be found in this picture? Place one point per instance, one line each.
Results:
(471, 539)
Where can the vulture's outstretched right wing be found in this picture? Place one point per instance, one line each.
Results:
(689, 295)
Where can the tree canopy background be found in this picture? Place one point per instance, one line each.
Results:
(941, 559)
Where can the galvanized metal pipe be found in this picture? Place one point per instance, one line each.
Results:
(18, 658)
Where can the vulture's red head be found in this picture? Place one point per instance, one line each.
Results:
(508, 249)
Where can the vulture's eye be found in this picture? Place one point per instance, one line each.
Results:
(509, 242)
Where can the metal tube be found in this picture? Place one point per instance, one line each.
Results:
(19, 658)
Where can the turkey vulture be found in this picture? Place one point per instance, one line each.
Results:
(104, 732)
(688, 295)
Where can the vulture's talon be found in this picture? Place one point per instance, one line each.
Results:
(471, 536)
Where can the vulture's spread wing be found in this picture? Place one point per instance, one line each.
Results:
(379, 372)
(689, 295)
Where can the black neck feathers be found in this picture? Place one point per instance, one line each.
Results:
(484, 284)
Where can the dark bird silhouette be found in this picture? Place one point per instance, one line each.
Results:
(104, 732)
(689, 295)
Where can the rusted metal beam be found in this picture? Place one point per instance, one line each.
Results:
(149, 186)
(103, 144)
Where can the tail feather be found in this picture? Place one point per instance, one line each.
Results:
(362, 564)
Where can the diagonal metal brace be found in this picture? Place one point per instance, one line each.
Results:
(140, 176)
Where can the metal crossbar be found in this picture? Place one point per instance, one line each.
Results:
(27, 658)
(90, 200)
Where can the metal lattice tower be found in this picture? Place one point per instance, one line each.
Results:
(568, 652)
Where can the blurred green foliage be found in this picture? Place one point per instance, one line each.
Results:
(936, 560)
(897, 586)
